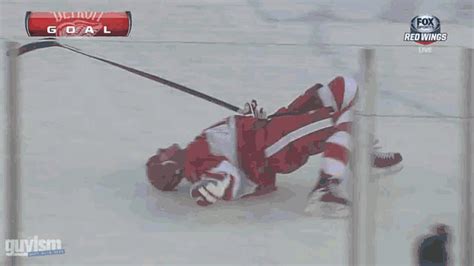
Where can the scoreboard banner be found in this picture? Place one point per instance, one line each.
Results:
(82, 23)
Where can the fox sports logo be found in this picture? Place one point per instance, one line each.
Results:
(425, 24)
(425, 30)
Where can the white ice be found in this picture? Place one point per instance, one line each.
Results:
(88, 128)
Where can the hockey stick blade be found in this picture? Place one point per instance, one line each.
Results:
(32, 46)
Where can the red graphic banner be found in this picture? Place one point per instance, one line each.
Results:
(72, 24)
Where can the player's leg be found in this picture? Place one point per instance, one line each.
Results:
(327, 197)
(337, 94)
(307, 101)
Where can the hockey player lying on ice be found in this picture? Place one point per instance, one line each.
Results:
(241, 155)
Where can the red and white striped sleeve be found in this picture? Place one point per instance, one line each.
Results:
(339, 94)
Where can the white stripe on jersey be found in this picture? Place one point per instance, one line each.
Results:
(299, 133)
(350, 90)
(341, 138)
(222, 140)
(333, 167)
(327, 98)
(345, 117)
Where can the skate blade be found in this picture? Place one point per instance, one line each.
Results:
(381, 172)
(327, 210)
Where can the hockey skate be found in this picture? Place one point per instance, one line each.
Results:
(327, 199)
(386, 163)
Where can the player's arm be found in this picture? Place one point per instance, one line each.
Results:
(219, 183)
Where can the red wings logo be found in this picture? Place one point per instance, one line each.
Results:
(78, 28)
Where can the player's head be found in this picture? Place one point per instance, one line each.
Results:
(165, 169)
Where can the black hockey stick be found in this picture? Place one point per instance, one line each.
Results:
(52, 43)
(157, 79)
(169, 83)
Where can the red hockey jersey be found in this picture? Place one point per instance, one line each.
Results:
(241, 155)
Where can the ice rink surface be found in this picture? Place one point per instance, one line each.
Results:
(88, 128)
